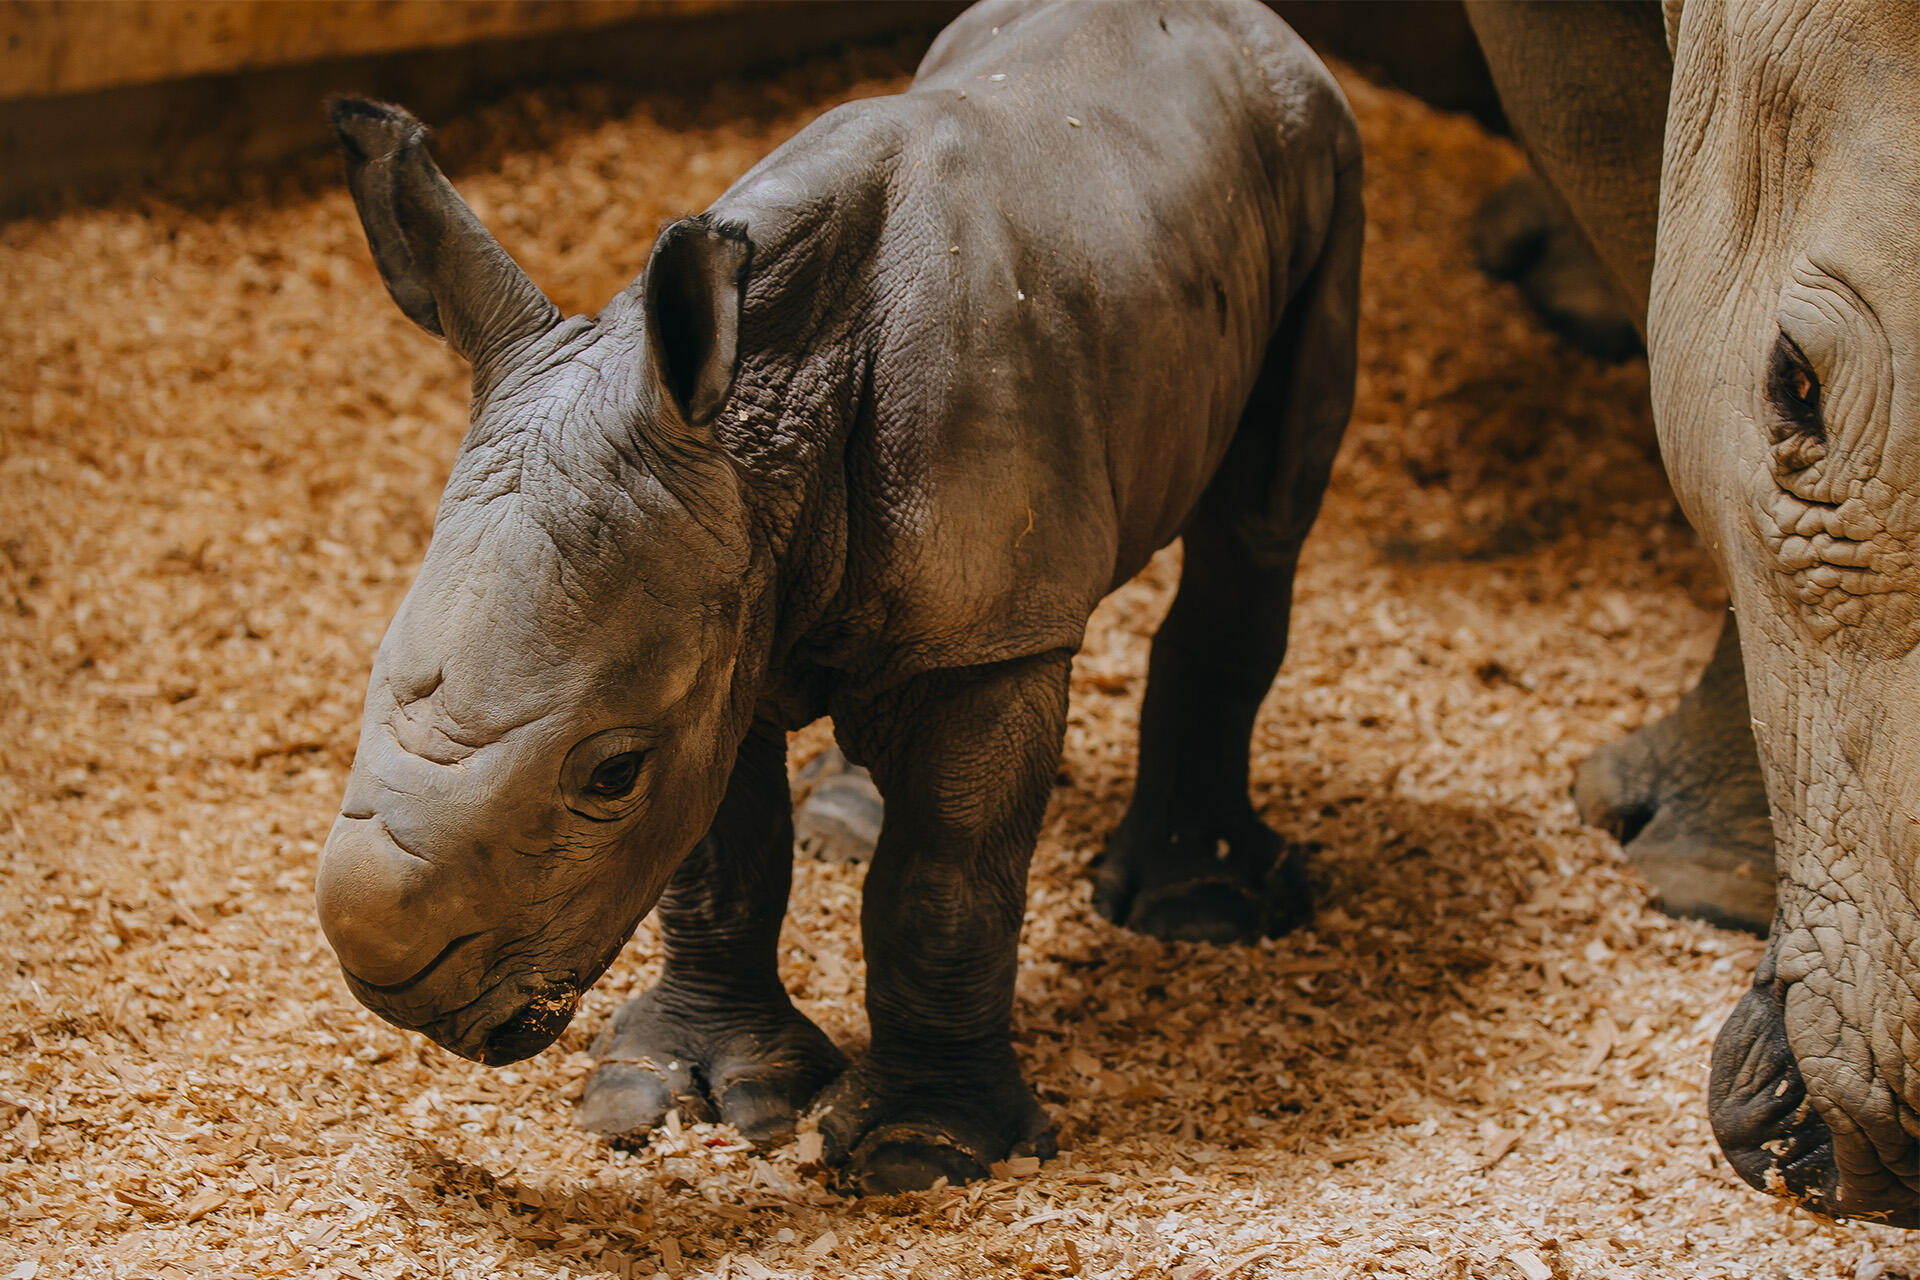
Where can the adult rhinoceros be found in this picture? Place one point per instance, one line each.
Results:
(1751, 173)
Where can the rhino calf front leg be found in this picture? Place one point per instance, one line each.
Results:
(718, 1037)
(965, 760)
(1686, 798)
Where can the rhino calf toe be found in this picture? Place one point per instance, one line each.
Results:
(756, 1073)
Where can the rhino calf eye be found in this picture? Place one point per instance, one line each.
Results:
(614, 776)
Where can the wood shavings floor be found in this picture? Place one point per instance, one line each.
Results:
(222, 447)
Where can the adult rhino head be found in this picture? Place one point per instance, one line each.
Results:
(547, 732)
(1784, 333)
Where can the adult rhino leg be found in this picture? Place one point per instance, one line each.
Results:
(840, 819)
(1686, 798)
(965, 760)
(1522, 233)
(718, 1037)
(1585, 86)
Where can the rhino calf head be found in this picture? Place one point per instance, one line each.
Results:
(547, 730)
(1785, 332)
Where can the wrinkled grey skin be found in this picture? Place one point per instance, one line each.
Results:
(870, 438)
(1781, 264)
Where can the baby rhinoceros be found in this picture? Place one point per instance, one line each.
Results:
(869, 438)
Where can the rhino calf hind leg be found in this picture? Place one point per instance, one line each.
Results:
(1686, 798)
(718, 1038)
(1191, 860)
(965, 760)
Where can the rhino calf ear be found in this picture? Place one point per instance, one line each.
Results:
(446, 272)
(695, 282)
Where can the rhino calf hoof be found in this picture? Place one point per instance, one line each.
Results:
(624, 1102)
(756, 1073)
(881, 1139)
(1196, 886)
(1217, 910)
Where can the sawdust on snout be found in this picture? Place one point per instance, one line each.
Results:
(222, 448)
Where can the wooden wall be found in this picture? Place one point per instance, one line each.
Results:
(93, 92)
(73, 46)
(192, 85)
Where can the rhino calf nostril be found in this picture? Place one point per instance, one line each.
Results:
(534, 1026)
(377, 904)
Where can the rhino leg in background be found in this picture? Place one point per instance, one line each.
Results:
(839, 820)
(1585, 86)
(1686, 798)
(965, 760)
(718, 1037)
(1523, 234)
(1191, 859)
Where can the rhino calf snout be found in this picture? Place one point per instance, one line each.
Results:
(382, 909)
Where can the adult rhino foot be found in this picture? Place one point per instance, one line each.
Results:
(1686, 799)
(1234, 882)
(883, 1135)
(1702, 838)
(1523, 234)
(755, 1071)
(840, 820)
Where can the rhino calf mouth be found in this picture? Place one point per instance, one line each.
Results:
(534, 1026)
(537, 1010)
(1769, 1130)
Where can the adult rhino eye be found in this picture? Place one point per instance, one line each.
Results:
(1794, 389)
(614, 777)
